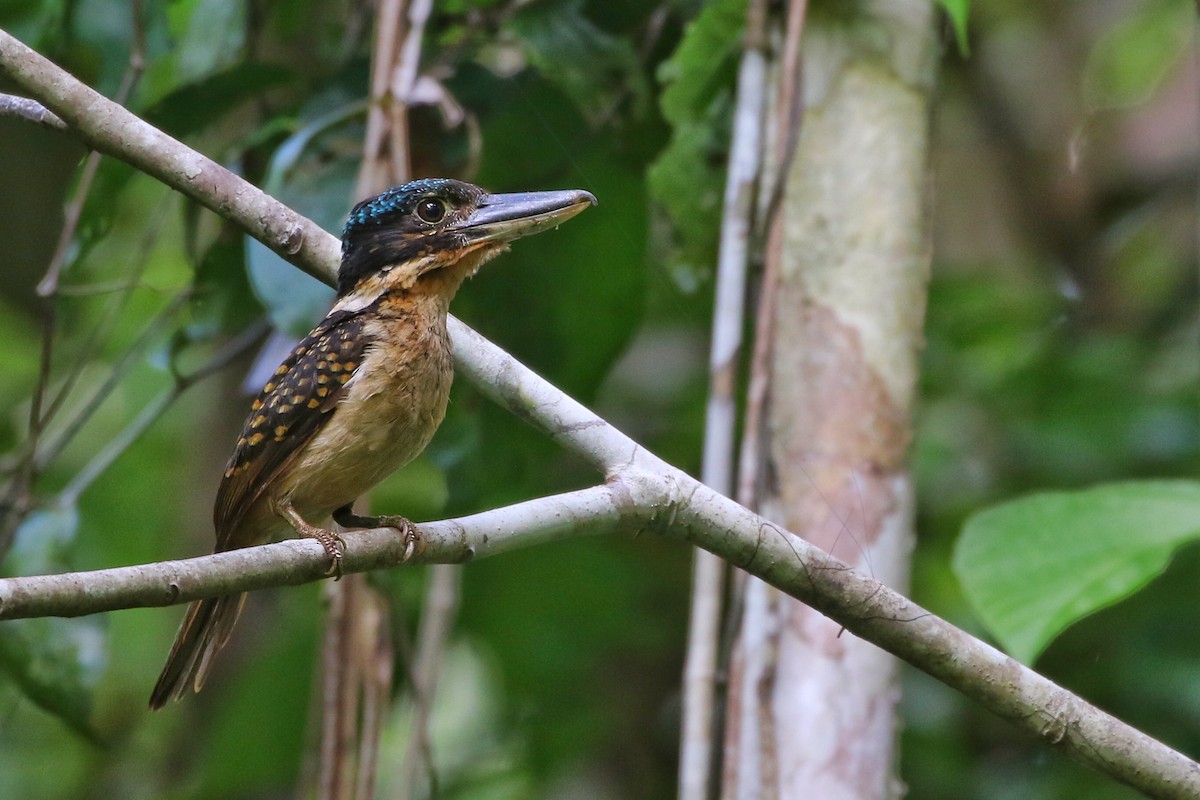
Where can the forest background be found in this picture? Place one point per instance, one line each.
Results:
(1062, 352)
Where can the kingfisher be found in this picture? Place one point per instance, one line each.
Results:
(363, 393)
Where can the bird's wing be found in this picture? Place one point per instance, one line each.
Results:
(294, 405)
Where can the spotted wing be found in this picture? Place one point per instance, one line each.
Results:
(293, 406)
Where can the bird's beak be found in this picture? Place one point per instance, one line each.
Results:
(504, 217)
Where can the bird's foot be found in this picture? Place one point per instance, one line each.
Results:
(334, 544)
(348, 519)
(407, 530)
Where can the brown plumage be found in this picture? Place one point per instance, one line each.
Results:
(363, 393)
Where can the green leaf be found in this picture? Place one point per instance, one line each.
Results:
(687, 181)
(702, 65)
(958, 10)
(1131, 60)
(1033, 566)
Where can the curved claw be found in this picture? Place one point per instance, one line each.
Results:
(333, 543)
(407, 529)
(410, 540)
(334, 546)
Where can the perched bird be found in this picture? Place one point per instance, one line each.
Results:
(363, 393)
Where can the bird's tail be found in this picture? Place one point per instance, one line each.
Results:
(203, 633)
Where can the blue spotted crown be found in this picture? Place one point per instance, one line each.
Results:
(397, 201)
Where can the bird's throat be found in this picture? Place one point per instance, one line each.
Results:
(432, 280)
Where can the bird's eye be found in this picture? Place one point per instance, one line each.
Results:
(431, 210)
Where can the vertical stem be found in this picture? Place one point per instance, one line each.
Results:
(696, 761)
(750, 769)
(437, 618)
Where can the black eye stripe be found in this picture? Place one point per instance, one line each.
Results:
(381, 230)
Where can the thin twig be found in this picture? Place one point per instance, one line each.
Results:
(151, 412)
(30, 111)
(117, 445)
(229, 352)
(750, 760)
(400, 87)
(47, 290)
(129, 359)
(104, 326)
(334, 685)
(787, 119)
(377, 668)
(290, 563)
(48, 286)
(98, 289)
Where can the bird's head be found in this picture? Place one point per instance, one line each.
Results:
(436, 232)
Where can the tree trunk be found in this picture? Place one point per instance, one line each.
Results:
(812, 709)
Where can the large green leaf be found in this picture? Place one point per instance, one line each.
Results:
(1033, 566)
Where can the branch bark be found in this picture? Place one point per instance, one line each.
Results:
(641, 492)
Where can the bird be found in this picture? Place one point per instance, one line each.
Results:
(362, 394)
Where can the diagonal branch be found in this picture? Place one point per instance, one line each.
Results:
(110, 129)
(641, 492)
(700, 729)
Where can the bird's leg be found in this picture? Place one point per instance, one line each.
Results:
(332, 543)
(346, 517)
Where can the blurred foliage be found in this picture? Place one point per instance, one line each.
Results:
(1062, 353)
(1138, 53)
(687, 179)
